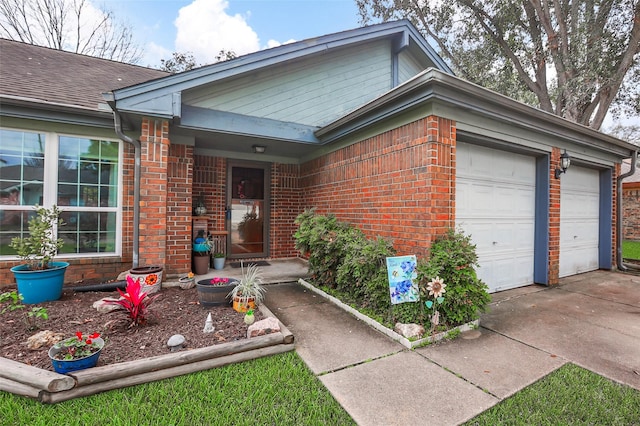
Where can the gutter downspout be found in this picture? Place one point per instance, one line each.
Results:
(136, 186)
(620, 264)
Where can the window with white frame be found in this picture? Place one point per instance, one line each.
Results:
(81, 175)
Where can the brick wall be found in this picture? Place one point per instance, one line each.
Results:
(631, 211)
(398, 185)
(554, 218)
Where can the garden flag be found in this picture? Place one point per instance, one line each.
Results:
(402, 272)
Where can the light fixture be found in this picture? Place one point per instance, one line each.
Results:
(565, 162)
(259, 149)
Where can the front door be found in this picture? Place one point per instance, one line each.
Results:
(248, 209)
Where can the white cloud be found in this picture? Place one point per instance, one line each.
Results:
(153, 53)
(204, 28)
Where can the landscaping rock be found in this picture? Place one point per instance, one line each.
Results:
(103, 306)
(410, 331)
(266, 326)
(176, 342)
(45, 338)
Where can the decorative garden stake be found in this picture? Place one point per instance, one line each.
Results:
(436, 288)
(208, 325)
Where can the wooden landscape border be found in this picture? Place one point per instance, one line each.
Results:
(49, 387)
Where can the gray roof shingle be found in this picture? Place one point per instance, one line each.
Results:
(55, 76)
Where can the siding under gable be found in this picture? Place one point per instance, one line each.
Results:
(408, 66)
(312, 91)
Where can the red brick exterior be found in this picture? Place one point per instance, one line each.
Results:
(398, 185)
(631, 211)
(554, 218)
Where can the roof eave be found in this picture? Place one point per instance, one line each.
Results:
(432, 84)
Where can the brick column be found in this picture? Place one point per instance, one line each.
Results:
(554, 218)
(179, 206)
(441, 172)
(154, 139)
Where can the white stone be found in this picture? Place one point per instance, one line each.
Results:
(409, 331)
(176, 342)
(103, 306)
(45, 338)
(266, 326)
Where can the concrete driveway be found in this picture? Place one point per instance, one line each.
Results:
(592, 320)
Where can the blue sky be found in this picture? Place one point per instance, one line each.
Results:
(203, 27)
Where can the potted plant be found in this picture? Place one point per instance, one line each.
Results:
(201, 253)
(40, 279)
(249, 291)
(214, 291)
(218, 260)
(76, 353)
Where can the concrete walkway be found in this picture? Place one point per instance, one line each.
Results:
(592, 320)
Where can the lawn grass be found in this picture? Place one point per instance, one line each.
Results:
(276, 390)
(569, 396)
(631, 249)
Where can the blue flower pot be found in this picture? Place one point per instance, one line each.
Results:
(63, 366)
(40, 286)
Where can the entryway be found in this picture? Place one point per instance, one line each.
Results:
(248, 209)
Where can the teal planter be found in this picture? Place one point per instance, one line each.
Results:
(63, 366)
(40, 286)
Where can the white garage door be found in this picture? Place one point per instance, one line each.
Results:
(495, 203)
(579, 220)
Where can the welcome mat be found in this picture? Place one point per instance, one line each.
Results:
(257, 262)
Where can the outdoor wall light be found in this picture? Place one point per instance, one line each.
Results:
(565, 162)
(259, 149)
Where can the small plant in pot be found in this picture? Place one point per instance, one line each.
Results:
(40, 279)
(218, 260)
(249, 291)
(76, 353)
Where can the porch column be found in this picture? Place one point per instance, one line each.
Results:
(154, 141)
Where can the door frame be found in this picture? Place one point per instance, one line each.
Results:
(266, 167)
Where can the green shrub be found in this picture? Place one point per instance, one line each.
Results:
(452, 257)
(353, 269)
(324, 239)
(363, 274)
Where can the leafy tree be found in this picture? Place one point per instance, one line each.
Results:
(71, 25)
(181, 62)
(574, 58)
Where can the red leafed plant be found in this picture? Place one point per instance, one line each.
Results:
(134, 301)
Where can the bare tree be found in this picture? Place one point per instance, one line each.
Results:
(72, 25)
(573, 58)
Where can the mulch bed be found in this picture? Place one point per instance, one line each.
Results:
(175, 311)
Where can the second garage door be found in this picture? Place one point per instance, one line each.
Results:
(579, 220)
(495, 203)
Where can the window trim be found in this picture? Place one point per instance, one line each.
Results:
(50, 188)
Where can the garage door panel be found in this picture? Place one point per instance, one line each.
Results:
(579, 221)
(495, 204)
(506, 272)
